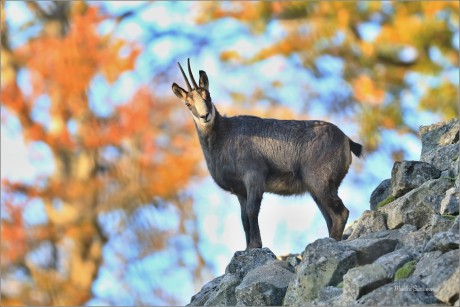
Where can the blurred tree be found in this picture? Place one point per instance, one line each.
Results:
(102, 163)
(382, 47)
(113, 184)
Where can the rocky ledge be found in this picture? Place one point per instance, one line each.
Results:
(404, 251)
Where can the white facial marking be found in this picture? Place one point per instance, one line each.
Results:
(203, 125)
(201, 109)
(200, 105)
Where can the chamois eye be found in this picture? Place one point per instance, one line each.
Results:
(188, 104)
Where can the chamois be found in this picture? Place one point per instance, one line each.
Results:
(248, 155)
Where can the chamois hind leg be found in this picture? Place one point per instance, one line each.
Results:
(244, 217)
(325, 214)
(329, 201)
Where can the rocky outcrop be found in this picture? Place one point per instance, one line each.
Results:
(450, 203)
(265, 285)
(324, 262)
(440, 146)
(417, 206)
(380, 193)
(404, 251)
(369, 222)
(222, 290)
(407, 175)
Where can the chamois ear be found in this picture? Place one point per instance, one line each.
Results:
(204, 82)
(179, 91)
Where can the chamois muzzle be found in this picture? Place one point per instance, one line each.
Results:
(204, 118)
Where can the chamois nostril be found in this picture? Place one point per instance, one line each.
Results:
(204, 116)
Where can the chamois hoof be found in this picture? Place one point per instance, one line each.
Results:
(254, 245)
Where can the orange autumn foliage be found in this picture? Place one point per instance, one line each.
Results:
(366, 91)
(13, 234)
(153, 158)
(73, 61)
(380, 44)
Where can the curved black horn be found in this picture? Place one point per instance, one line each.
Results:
(185, 77)
(191, 75)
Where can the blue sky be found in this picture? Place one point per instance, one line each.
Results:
(287, 224)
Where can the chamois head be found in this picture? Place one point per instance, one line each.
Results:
(197, 99)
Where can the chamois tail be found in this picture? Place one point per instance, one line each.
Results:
(356, 149)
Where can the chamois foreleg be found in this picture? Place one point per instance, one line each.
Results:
(244, 217)
(255, 190)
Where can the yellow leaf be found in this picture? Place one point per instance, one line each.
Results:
(366, 92)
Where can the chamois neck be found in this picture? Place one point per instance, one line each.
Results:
(207, 134)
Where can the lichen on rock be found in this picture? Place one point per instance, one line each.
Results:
(405, 271)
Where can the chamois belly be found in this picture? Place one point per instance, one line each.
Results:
(229, 181)
(285, 184)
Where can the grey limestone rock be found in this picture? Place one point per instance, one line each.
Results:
(440, 146)
(440, 224)
(455, 225)
(381, 192)
(329, 292)
(333, 301)
(406, 292)
(324, 262)
(411, 227)
(369, 222)
(443, 241)
(291, 260)
(329, 296)
(362, 280)
(415, 241)
(368, 250)
(221, 291)
(444, 158)
(264, 286)
(417, 206)
(450, 203)
(435, 267)
(439, 134)
(408, 175)
(224, 294)
(208, 289)
(245, 261)
(448, 291)
(396, 234)
(391, 262)
(349, 230)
